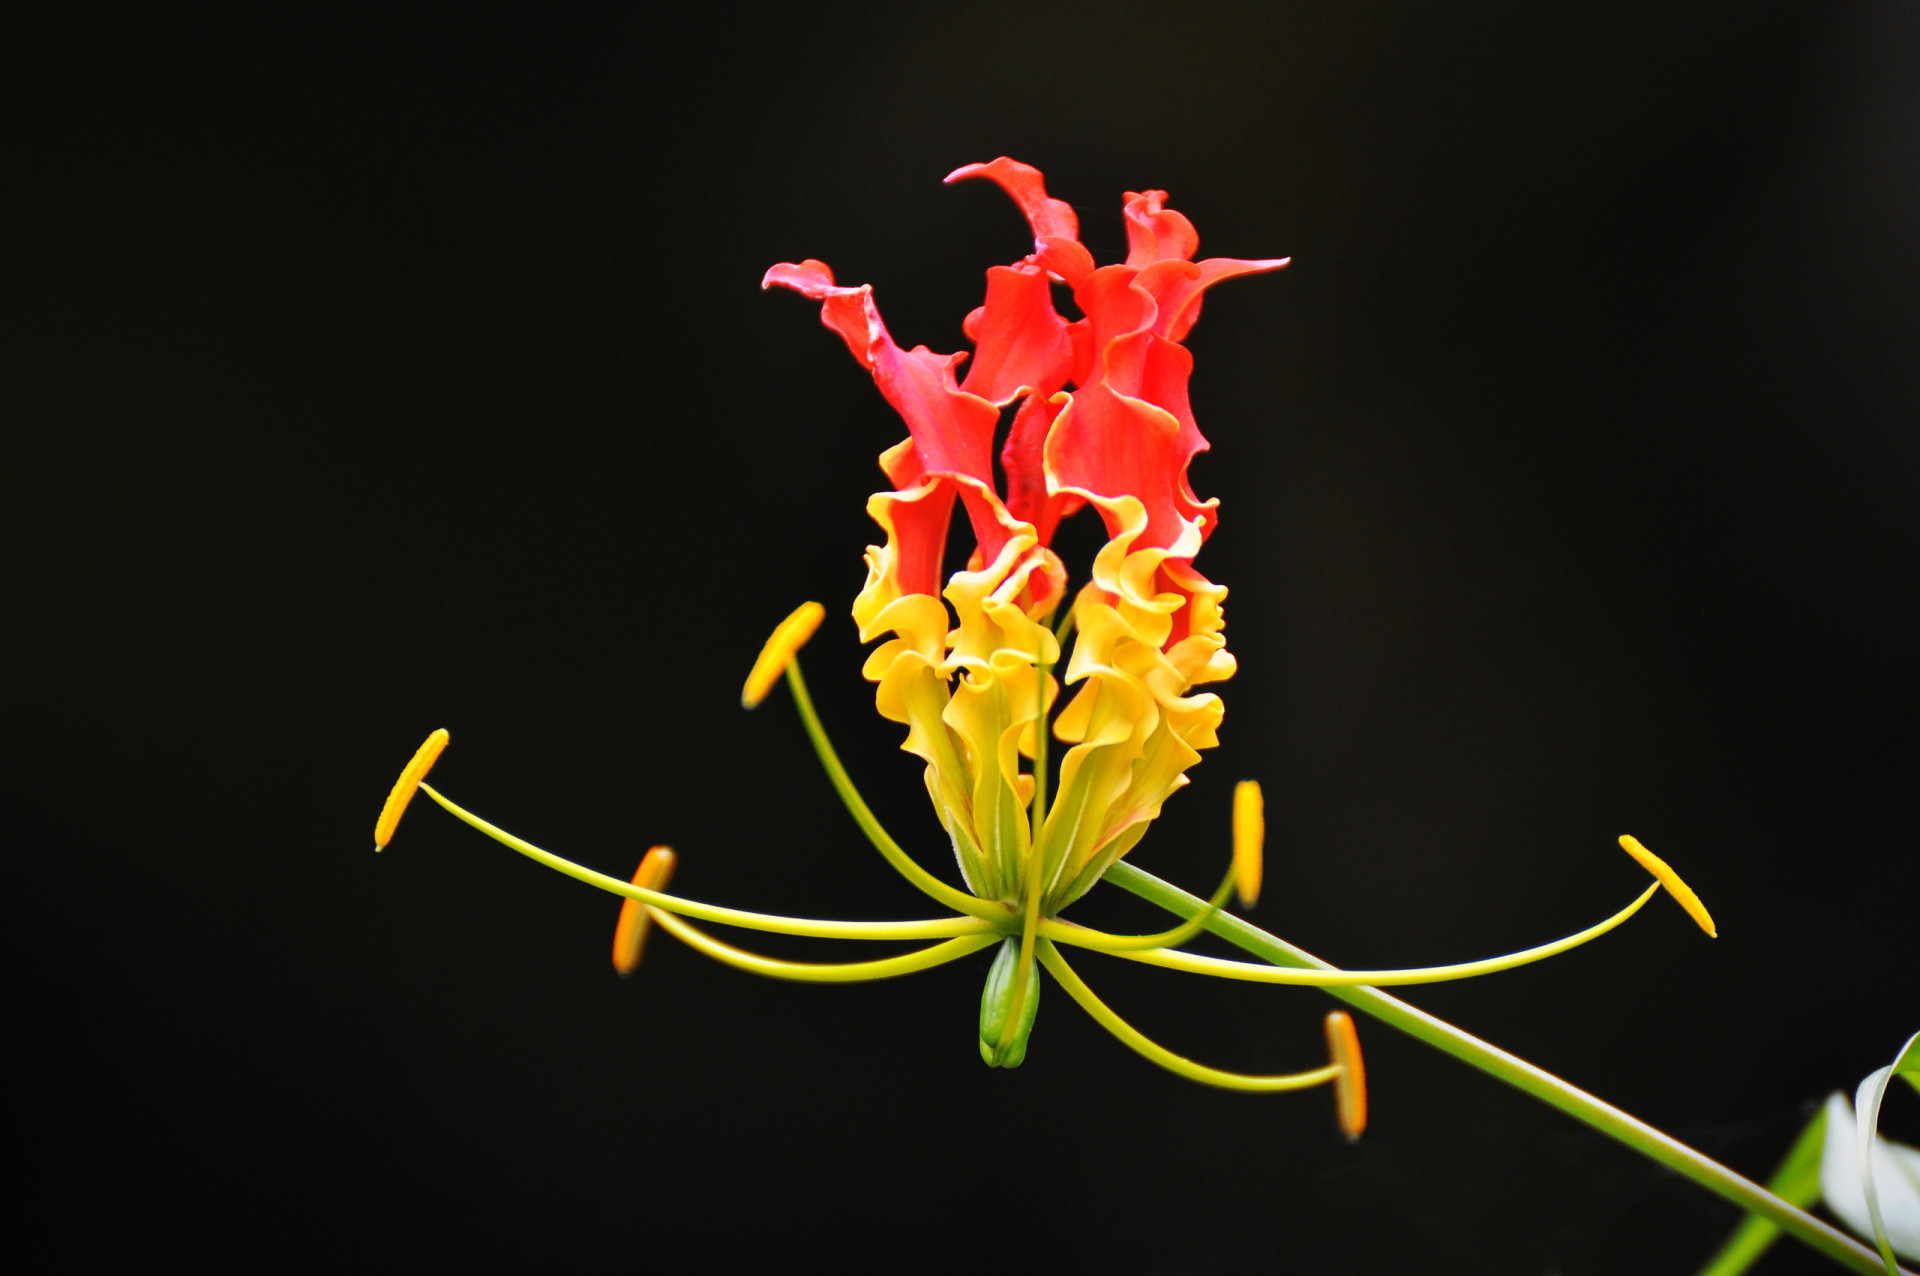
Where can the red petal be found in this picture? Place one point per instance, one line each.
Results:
(1155, 233)
(1021, 341)
(1131, 431)
(1023, 460)
(917, 518)
(1127, 431)
(952, 430)
(1178, 295)
(1066, 258)
(1108, 444)
(1048, 217)
(1114, 307)
(848, 311)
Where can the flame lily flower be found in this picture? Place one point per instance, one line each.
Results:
(970, 662)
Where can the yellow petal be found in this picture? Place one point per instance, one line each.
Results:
(788, 637)
(1664, 873)
(405, 787)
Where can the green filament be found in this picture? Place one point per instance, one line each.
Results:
(934, 929)
(904, 864)
(1152, 1051)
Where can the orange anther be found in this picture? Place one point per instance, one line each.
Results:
(405, 787)
(630, 932)
(1249, 840)
(1664, 874)
(788, 637)
(1350, 1087)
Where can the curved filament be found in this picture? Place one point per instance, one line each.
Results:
(937, 928)
(630, 931)
(904, 864)
(1165, 1058)
(1101, 941)
(849, 972)
(1255, 972)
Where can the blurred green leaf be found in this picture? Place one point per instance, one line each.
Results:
(1797, 1180)
(1908, 1064)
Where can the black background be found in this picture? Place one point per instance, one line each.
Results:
(368, 374)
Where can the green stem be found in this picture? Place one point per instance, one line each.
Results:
(903, 863)
(1517, 1072)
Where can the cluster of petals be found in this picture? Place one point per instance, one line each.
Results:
(1100, 417)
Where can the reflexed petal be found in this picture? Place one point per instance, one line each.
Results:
(915, 521)
(1050, 218)
(952, 430)
(1115, 306)
(1020, 340)
(1106, 445)
(1155, 233)
(1022, 461)
(1179, 300)
(847, 311)
(1056, 231)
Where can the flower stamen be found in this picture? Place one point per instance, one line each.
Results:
(787, 638)
(1249, 837)
(1663, 872)
(1350, 1087)
(1152, 1051)
(1102, 941)
(937, 928)
(403, 788)
(821, 972)
(902, 863)
(1261, 973)
(630, 932)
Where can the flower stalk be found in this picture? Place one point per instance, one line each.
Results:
(1520, 1074)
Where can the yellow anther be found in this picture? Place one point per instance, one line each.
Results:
(630, 932)
(1350, 1087)
(1249, 838)
(1664, 874)
(405, 787)
(788, 637)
